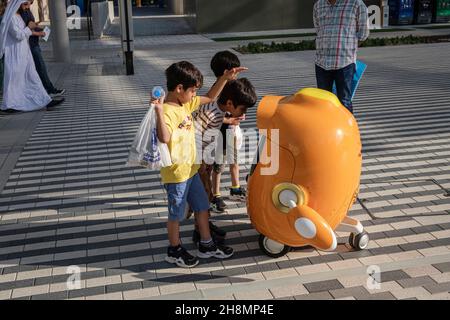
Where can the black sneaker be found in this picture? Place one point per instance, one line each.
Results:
(57, 93)
(217, 234)
(181, 257)
(216, 230)
(218, 205)
(216, 238)
(215, 250)
(11, 111)
(55, 103)
(238, 194)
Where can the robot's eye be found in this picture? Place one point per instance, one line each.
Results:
(286, 196)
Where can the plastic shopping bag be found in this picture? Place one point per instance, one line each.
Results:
(147, 151)
(360, 68)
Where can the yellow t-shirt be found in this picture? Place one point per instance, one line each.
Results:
(182, 142)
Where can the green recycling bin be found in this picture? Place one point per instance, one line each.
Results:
(441, 12)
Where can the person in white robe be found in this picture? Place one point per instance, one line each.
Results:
(22, 87)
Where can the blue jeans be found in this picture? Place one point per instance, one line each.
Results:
(190, 191)
(343, 79)
(42, 69)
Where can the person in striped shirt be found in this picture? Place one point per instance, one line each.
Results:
(340, 25)
(225, 60)
(237, 96)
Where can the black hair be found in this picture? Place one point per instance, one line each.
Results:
(240, 92)
(2, 7)
(20, 10)
(184, 73)
(224, 60)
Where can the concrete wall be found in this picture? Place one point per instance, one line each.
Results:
(253, 15)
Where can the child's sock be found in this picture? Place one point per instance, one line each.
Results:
(217, 195)
(236, 187)
(207, 243)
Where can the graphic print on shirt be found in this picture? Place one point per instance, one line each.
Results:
(182, 151)
(186, 123)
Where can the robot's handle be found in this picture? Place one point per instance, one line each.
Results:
(292, 204)
(312, 227)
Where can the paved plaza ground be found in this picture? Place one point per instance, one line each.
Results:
(68, 200)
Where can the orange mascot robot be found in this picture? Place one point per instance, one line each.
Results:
(317, 180)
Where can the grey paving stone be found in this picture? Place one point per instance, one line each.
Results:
(315, 296)
(443, 267)
(414, 246)
(355, 254)
(22, 298)
(16, 284)
(380, 296)
(293, 263)
(229, 272)
(114, 272)
(285, 298)
(356, 292)
(51, 296)
(386, 250)
(325, 258)
(323, 286)
(152, 283)
(438, 288)
(416, 282)
(377, 235)
(444, 226)
(123, 287)
(13, 269)
(394, 276)
(439, 242)
(86, 292)
(261, 268)
(392, 220)
(46, 280)
(399, 233)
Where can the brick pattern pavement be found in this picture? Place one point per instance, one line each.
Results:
(71, 202)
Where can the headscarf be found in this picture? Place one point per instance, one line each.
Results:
(11, 10)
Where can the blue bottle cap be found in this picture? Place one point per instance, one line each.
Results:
(158, 92)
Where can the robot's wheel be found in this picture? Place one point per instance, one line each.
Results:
(359, 241)
(272, 248)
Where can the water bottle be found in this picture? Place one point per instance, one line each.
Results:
(158, 92)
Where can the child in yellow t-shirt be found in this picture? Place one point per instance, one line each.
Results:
(181, 180)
